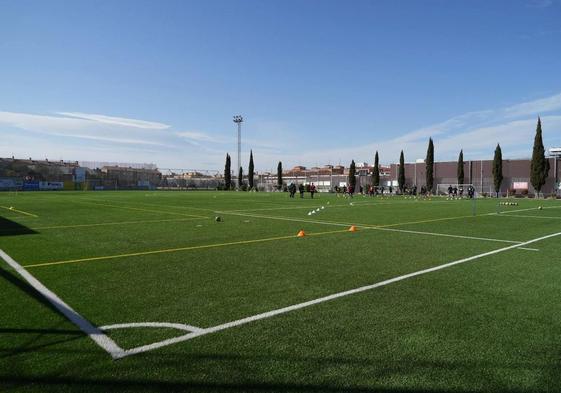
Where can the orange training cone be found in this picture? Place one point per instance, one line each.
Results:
(301, 234)
(353, 229)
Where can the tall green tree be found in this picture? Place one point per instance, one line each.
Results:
(250, 169)
(401, 175)
(430, 166)
(227, 173)
(461, 167)
(279, 176)
(498, 169)
(376, 172)
(352, 175)
(539, 168)
(240, 178)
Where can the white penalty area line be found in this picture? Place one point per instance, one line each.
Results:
(284, 310)
(90, 330)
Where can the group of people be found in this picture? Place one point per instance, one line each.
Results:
(455, 192)
(348, 190)
(301, 189)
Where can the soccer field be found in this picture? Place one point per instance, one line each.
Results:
(424, 296)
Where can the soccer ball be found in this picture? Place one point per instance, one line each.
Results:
(540, 208)
(218, 219)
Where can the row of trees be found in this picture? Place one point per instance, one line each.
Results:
(539, 168)
(250, 174)
(228, 173)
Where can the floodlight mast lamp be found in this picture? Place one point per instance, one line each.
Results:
(239, 120)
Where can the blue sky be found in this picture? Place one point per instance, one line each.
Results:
(317, 82)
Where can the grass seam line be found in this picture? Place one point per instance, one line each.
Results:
(83, 324)
(378, 227)
(169, 250)
(284, 310)
(117, 223)
(140, 209)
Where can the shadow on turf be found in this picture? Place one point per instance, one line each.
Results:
(12, 228)
(31, 292)
(27, 289)
(180, 383)
(117, 385)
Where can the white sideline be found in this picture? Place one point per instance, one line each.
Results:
(178, 326)
(525, 216)
(93, 332)
(524, 210)
(284, 310)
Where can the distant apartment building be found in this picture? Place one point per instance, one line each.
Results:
(127, 177)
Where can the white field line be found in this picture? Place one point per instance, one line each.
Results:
(527, 209)
(335, 205)
(284, 310)
(377, 228)
(93, 332)
(178, 326)
(526, 216)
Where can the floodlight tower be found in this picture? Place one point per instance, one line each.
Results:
(239, 120)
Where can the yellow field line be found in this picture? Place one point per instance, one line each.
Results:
(117, 223)
(169, 250)
(141, 209)
(19, 211)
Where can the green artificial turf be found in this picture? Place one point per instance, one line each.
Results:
(492, 324)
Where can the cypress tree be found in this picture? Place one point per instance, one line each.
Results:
(352, 174)
(430, 166)
(250, 169)
(498, 169)
(279, 176)
(376, 172)
(401, 176)
(240, 178)
(461, 167)
(227, 173)
(539, 168)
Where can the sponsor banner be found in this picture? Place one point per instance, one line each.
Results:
(7, 184)
(31, 186)
(51, 185)
(520, 185)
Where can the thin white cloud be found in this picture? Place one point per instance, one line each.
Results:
(74, 127)
(118, 121)
(543, 105)
(539, 3)
(200, 136)
(119, 139)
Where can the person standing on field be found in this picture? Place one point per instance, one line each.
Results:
(312, 190)
(301, 189)
(292, 189)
